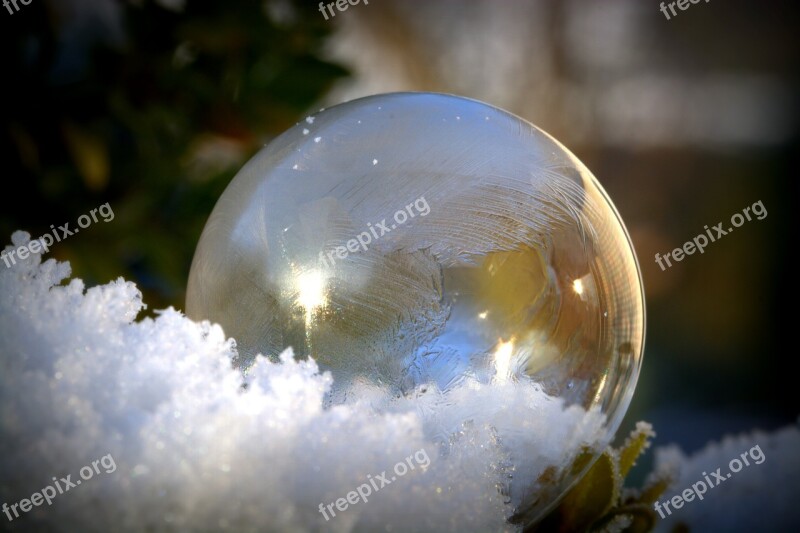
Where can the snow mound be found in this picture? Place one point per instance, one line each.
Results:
(197, 446)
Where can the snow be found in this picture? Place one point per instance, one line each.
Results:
(759, 497)
(198, 446)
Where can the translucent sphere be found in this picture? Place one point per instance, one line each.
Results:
(405, 239)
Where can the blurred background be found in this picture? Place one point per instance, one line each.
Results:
(153, 106)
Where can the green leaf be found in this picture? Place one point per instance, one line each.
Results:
(595, 503)
(634, 445)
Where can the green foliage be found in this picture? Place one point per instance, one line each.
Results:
(153, 111)
(598, 503)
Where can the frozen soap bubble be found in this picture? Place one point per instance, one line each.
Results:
(407, 241)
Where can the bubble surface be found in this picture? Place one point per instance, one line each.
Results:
(413, 240)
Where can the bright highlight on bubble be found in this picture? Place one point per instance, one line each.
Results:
(517, 284)
(311, 292)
